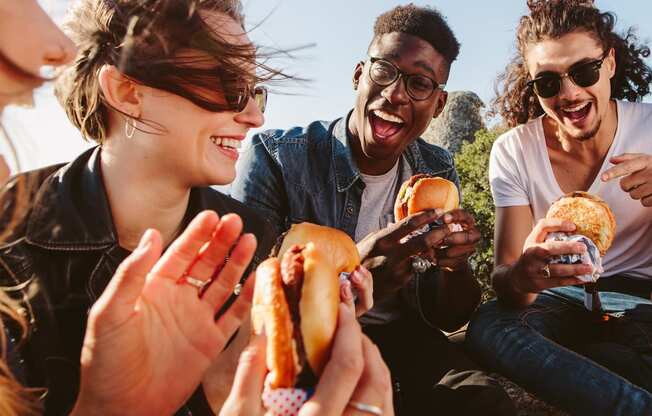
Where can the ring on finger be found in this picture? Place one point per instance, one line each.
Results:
(237, 289)
(546, 271)
(199, 284)
(366, 408)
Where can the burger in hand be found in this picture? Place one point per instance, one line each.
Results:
(422, 192)
(295, 305)
(595, 227)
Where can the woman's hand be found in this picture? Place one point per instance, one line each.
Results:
(151, 336)
(362, 282)
(355, 372)
(533, 272)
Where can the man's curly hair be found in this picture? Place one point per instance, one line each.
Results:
(424, 22)
(552, 19)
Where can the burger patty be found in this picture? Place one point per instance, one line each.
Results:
(292, 275)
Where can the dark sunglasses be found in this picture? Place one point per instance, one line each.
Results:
(238, 102)
(385, 73)
(583, 75)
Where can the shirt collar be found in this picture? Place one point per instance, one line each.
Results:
(71, 210)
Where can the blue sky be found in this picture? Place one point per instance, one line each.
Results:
(340, 31)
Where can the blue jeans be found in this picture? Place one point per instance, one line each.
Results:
(568, 356)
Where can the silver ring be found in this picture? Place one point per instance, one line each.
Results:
(546, 271)
(366, 408)
(420, 265)
(237, 289)
(197, 283)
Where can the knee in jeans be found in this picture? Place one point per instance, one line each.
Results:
(488, 322)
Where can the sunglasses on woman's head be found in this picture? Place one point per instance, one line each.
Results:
(584, 75)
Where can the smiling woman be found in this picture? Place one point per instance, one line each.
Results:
(168, 89)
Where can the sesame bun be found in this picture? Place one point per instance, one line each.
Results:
(590, 214)
(422, 192)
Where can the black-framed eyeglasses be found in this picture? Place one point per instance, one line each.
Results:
(419, 87)
(238, 102)
(584, 75)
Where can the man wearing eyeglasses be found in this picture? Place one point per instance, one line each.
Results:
(347, 173)
(564, 93)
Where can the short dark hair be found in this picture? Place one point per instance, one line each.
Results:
(424, 22)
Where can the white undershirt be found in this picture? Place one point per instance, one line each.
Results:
(377, 205)
(520, 174)
(376, 212)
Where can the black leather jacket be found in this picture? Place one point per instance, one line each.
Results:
(62, 255)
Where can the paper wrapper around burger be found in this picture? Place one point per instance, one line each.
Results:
(595, 228)
(591, 256)
(285, 401)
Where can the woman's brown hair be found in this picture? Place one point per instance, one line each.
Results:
(516, 103)
(142, 39)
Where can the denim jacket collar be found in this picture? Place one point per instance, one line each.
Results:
(346, 170)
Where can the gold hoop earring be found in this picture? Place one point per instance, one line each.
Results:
(130, 128)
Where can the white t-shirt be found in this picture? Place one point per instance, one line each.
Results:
(520, 173)
(377, 205)
(376, 212)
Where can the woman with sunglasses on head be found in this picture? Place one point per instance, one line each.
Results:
(564, 94)
(168, 91)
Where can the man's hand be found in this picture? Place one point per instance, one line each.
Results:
(458, 246)
(388, 256)
(528, 272)
(635, 169)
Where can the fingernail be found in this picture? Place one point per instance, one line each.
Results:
(581, 247)
(346, 291)
(355, 276)
(145, 240)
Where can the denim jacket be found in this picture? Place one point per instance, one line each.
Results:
(308, 174)
(62, 254)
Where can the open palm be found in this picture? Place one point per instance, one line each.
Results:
(150, 336)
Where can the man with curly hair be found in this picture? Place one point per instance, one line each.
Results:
(570, 93)
(347, 173)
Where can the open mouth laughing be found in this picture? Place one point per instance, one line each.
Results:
(385, 125)
(576, 113)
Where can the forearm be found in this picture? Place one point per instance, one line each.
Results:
(457, 296)
(502, 281)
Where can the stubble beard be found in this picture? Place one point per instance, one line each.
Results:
(582, 137)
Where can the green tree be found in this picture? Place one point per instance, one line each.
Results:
(472, 162)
